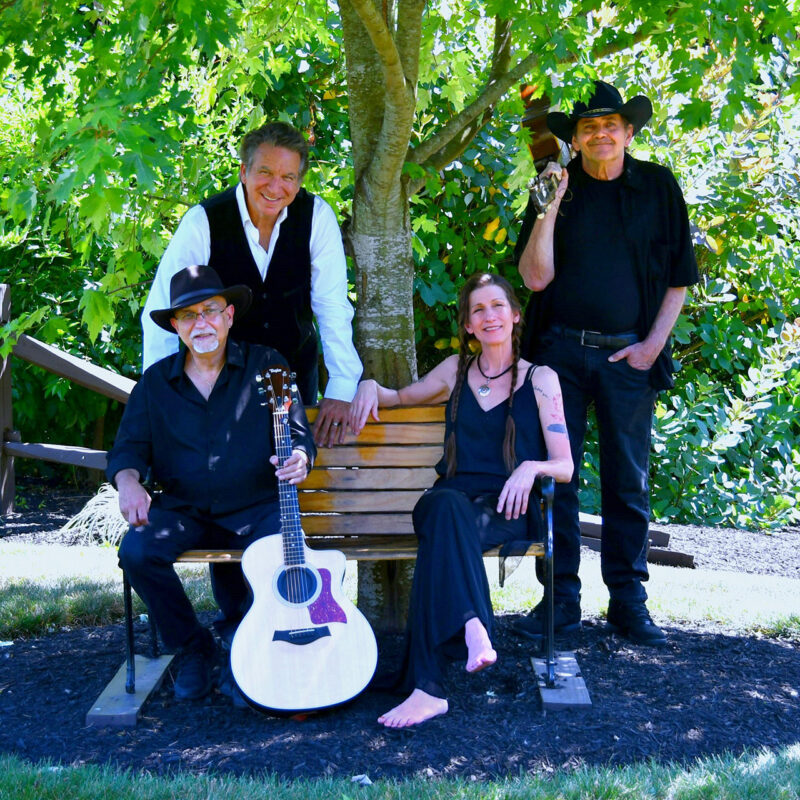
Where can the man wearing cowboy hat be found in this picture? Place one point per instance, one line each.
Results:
(195, 422)
(608, 262)
(270, 234)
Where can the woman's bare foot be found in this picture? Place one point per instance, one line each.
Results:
(480, 653)
(418, 707)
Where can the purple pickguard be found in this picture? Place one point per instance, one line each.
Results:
(325, 608)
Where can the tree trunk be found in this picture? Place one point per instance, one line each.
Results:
(381, 85)
(380, 240)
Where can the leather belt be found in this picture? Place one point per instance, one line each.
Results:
(595, 339)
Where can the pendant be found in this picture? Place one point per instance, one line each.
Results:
(484, 390)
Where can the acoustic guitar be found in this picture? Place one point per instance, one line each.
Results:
(303, 645)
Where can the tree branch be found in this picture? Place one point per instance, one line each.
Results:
(494, 89)
(390, 150)
(501, 58)
(379, 34)
(409, 34)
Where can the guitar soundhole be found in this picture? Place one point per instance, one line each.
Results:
(298, 585)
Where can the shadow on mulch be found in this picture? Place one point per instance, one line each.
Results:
(706, 693)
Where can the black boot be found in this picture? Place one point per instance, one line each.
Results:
(198, 658)
(566, 619)
(632, 620)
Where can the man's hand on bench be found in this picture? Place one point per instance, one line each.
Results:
(331, 423)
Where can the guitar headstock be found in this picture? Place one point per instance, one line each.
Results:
(276, 384)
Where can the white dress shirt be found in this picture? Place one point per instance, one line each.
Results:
(191, 245)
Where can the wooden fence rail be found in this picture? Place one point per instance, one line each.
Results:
(84, 373)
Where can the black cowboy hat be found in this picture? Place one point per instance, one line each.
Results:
(605, 100)
(193, 285)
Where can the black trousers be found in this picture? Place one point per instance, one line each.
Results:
(148, 553)
(623, 401)
(455, 525)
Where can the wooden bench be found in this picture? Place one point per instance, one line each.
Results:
(358, 499)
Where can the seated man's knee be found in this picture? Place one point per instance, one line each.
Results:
(139, 551)
(131, 553)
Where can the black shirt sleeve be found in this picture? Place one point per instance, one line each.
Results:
(133, 446)
(682, 261)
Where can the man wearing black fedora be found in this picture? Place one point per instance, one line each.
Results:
(196, 425)
(608, 261)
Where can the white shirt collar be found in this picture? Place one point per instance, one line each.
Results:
(248, 223)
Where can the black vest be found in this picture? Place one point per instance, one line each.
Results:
(280, 316)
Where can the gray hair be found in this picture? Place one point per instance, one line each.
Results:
(275, 134)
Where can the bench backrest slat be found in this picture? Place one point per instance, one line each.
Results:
(369, 485)
(369, 478)
(360, 502)
(398, 433)
(347, 455)
(357, 525)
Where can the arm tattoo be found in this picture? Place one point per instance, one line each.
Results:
(541, 391)
(557, 428)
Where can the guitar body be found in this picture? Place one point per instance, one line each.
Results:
(303, 645)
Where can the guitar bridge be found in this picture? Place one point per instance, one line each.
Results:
(301, 635)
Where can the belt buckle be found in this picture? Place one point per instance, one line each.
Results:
(594, 333)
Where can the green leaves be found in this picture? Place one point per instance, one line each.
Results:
(118, 117)
(97, 312)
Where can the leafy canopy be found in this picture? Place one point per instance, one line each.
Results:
(117, 117)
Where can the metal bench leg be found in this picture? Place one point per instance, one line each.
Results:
(130, 680)
(548, 492)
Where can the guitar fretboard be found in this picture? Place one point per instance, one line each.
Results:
(291, 529)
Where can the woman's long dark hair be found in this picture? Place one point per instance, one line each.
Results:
(478, 281)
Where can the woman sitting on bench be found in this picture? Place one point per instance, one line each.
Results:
(505, 425)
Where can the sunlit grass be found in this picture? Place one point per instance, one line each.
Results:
(44, 587)
(764, 775)
(735, 601)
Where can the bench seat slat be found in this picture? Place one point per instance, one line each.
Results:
(361, 548)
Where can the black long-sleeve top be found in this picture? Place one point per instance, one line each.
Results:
(210, 457)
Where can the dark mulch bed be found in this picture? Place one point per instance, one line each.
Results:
(708, 692)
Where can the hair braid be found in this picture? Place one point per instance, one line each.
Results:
(450, 445)
(510, 441)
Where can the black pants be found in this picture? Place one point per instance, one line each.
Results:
(623, 400)
(454, 528)
(148, 553)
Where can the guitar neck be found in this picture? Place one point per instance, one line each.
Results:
(291, 529)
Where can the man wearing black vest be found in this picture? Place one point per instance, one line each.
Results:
(270, 234)
(608, 261)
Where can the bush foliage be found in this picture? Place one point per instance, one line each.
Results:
(115, 122)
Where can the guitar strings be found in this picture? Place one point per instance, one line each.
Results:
(293, 544)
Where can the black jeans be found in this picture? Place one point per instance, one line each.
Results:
(623, 401)
(148, 553)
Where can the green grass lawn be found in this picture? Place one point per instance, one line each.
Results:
(45, 587)
(759, 776)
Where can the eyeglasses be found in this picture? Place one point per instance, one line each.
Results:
(208, 314)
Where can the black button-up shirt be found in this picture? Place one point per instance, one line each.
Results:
(210, 457)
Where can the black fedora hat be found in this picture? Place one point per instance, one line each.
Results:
(193, 285)
(605, 100)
